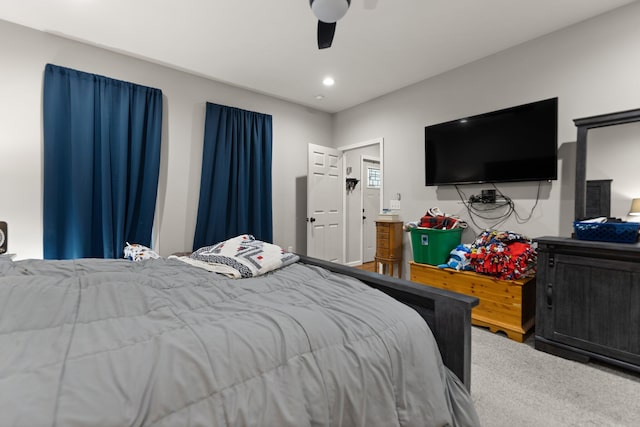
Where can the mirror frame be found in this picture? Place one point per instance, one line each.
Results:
(583, 125)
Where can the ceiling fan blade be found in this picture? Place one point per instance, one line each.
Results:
(325, 34)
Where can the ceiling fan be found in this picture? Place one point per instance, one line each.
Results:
(328, 13)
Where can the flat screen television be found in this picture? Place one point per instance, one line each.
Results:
(514, 144)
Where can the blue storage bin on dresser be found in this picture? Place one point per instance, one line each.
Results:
(617, 232)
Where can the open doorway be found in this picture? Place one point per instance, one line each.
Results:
(362, 203)
(371, 181)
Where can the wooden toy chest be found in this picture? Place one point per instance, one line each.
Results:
(505, 305)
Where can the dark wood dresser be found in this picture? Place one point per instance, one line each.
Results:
(588, 300)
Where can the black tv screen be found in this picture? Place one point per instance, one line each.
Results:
(515, 144)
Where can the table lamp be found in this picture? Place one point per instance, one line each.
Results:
(635, 207)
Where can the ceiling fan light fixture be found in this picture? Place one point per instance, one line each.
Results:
(329, 10)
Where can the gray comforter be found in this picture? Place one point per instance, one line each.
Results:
(161, 343)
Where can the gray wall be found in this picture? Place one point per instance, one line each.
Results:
(23, 55)
(592, 67)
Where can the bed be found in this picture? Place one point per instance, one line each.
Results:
(162, 343)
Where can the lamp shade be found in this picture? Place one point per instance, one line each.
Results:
(329, 11)
(635, 207)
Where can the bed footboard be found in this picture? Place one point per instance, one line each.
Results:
(448, 314)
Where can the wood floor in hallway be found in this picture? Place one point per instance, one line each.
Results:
(369, 266)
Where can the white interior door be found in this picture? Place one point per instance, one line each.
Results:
(325, 184)
(370, 206)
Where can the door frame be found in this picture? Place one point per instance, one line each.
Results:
(380, 142)
(363, 178)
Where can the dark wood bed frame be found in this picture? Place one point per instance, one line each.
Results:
(448, 314)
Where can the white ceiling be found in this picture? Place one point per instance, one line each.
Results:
(269, 46)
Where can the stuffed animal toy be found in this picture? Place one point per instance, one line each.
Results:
(136, 252)
(458, 259)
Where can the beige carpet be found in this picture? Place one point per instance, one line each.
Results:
(512, 384)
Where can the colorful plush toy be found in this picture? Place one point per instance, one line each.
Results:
(458, 258)
(136, 252)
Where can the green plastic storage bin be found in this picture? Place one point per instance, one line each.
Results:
(432, 246)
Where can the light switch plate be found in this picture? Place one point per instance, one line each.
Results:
(394, 205)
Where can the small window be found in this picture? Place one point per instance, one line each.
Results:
(373, 178)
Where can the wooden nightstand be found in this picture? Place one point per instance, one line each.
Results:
(389, 246)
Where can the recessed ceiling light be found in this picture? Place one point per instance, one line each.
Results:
(328, 81)
(319, 97)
